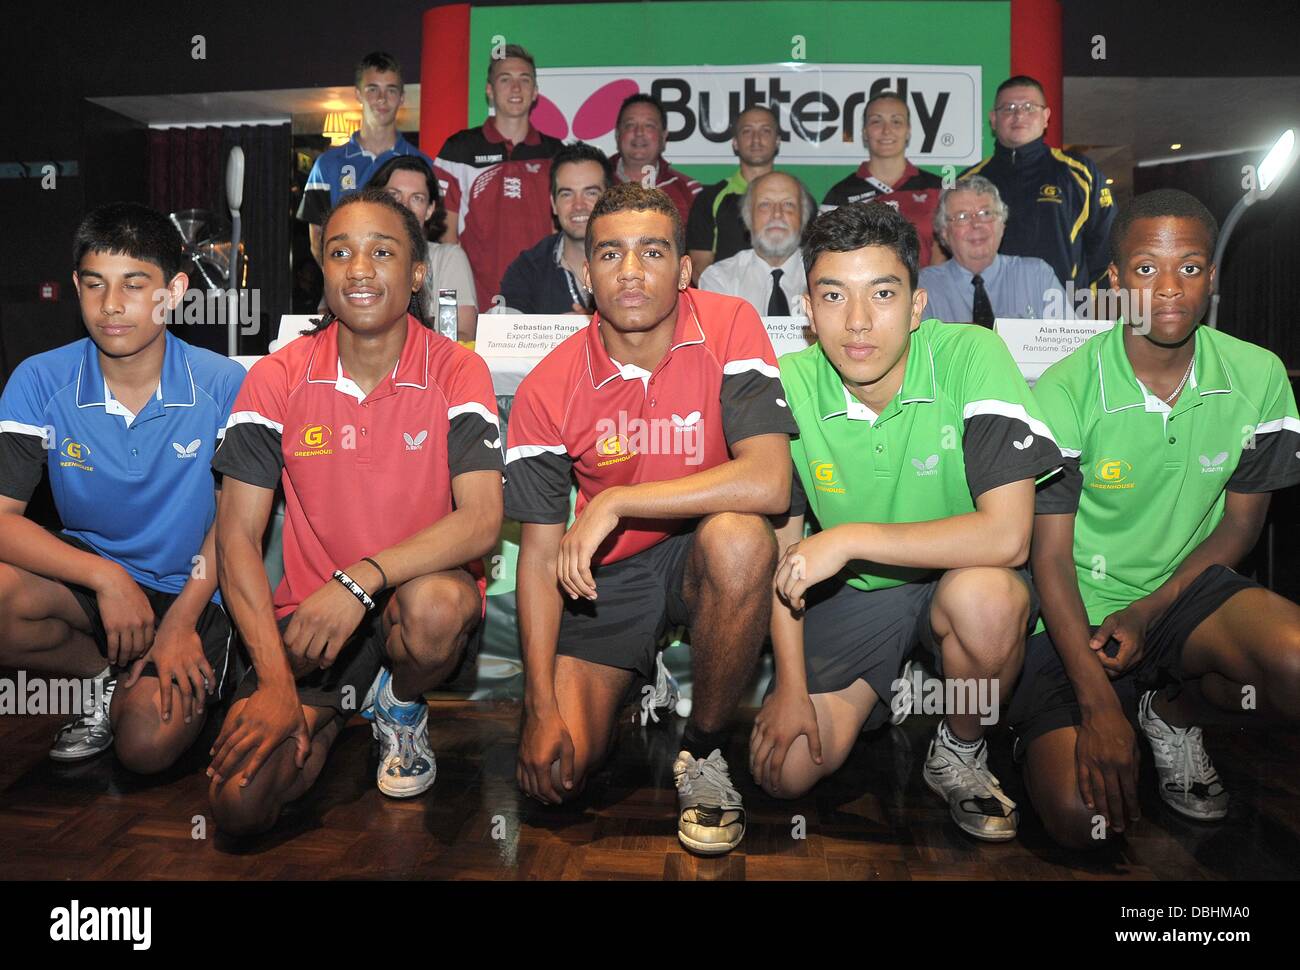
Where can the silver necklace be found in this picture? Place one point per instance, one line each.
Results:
(1186, 374)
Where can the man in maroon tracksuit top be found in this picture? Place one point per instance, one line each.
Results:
(503, 169)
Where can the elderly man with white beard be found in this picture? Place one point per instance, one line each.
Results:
(775, 208)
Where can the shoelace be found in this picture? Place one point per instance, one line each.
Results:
(978, 776)
(1189, 766)
(708, 778)
(406, 749)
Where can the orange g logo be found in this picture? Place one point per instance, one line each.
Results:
(615, 444)
(1112, 473)
(316, 435)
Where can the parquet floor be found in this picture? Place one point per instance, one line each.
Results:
(875, 820)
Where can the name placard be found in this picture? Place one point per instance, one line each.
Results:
(513, 343)
(1037, 344)
(788, 334)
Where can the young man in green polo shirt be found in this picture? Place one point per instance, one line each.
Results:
(919, 445)
(1174, 436)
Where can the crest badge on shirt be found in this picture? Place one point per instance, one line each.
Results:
(1050, 193)
(75, 454)
(347, 178)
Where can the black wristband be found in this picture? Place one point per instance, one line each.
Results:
(383, 576)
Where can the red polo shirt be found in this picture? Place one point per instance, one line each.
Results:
(580, 412)
(504, 198)
(360, 472)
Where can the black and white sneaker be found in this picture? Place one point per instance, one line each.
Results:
(973, 793)
(1189, 782)
(710, 816)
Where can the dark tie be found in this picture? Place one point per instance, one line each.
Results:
(982, 309)
(777, 304)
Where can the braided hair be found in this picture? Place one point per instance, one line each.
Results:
(414, 235)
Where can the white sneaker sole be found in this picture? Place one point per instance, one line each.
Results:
(406, 792)
(1188, 812)
(709, 848)
(65, 757)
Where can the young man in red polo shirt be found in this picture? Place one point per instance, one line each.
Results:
(385, 437)
(668, 409)
(503, 172)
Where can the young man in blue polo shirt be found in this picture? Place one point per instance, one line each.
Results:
(343, 170)
(1174, 436)
(126, 420)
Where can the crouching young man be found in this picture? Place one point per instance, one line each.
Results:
(385, 437)
(668, 409)
(1175, 435)
(126, 420)
(918, 448)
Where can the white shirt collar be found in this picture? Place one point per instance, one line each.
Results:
(857, 411)
(113, 406)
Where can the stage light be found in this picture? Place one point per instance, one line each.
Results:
(1278, 161)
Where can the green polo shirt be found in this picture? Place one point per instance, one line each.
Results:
(963, 422)
(1147, 484)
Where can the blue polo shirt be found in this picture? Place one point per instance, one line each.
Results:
(341, 171)
(137, 489)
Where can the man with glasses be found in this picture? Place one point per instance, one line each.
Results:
(1060, 207)
(979, 284)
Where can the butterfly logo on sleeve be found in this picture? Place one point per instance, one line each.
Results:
(1022, 445)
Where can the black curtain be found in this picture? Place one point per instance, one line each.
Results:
(188, 171)
(1260, 288)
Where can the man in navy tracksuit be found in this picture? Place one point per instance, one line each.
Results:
(1061, 209)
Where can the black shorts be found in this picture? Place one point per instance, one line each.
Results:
(342, 686)
(1044, 698)
(214, 627)
(851, 634)
(638, 599)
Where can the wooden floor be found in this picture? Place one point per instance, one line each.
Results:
(875, 820)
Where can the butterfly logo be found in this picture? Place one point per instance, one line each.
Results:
(780, 402)
(1022, 445)
(926, 467)
(689, 421)
(187, 451)
(492, 444)
(1213, 464)
(416, 443)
